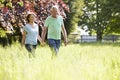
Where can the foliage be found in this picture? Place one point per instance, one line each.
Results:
(71, 22)
(73, 16)
(100, 16)
(114, 26)
(2, 32)
(114, 22)
(2, 0)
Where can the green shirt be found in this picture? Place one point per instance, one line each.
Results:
(54, 26)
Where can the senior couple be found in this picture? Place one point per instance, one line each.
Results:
(53, 26)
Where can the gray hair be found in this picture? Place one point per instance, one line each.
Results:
(54, 7)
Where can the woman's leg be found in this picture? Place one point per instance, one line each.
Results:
(31, 49)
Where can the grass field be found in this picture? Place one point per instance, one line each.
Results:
(75, 62)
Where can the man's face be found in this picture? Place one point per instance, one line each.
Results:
(54, 12)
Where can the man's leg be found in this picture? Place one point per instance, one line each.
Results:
(52, 46)
(57, 42)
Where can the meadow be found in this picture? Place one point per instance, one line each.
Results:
(87, 61)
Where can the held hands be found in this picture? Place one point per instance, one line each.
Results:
(42, 42)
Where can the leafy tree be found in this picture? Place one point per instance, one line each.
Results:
(99, 16)
(2, 32)
(72, 14)
(2, 0)
(114, 21)
(71, 22)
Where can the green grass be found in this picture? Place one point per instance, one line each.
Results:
(90, 61)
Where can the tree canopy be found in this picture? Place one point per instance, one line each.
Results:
(101, 17)
(72, 19)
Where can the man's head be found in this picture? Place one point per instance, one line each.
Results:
(54, 11)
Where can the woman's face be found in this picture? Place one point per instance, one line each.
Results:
(31, 18)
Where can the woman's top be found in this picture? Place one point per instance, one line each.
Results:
(31, 33)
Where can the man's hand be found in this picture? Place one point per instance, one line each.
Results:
(65, 41)
(42, 43)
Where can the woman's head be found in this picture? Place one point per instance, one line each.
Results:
(30, 18)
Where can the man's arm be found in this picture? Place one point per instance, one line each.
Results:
(64, 34)
(39, 38)
(44, 33)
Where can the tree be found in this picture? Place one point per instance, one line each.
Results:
(99, 15)
(15, 11)
(114, 22)
(71, 22)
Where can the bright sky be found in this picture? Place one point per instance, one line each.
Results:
(83, 32)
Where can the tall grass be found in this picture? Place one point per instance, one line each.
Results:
(74, 62)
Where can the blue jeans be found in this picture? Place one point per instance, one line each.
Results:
(54, 45)
(30, 48)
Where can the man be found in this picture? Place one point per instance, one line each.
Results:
(54, 25)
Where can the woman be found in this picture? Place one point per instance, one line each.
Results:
(31, 34)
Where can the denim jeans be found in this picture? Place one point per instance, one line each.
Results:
(54, 45)
(31, 48)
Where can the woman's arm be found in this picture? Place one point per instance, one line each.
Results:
(39, 38)
(23, 38)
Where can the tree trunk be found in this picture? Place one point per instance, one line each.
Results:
(99, 36)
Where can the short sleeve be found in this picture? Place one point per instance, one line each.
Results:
(46, 22)
(61, 20)
(25, 28)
